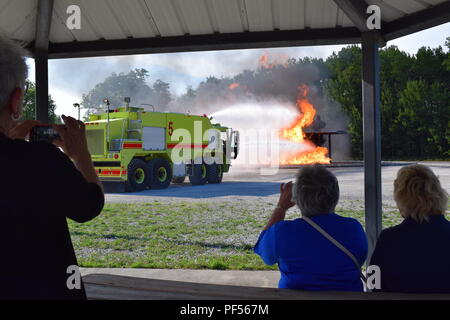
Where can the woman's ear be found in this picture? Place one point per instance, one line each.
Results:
(15, 102)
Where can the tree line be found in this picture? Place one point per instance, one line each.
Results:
(415, 100)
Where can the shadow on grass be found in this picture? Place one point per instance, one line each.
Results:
(216, 245)
(212, 190)
(104, 236)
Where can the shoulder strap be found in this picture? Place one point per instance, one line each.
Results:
(337, 244)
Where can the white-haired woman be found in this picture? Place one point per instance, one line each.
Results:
(307, 259)
(40, 187)
(413, 256)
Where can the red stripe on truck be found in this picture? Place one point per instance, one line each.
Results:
(171, 146)
(111, 172)
(132, 145)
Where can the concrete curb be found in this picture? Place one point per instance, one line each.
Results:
(264, 279)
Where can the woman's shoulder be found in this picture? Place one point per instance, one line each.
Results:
(285, 225)
(346, 220)
(394, 232)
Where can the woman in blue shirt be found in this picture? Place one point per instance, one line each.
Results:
(306, 259)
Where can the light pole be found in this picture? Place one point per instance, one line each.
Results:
(77, 105)
(106, 101)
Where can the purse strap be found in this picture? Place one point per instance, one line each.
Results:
(337, 244)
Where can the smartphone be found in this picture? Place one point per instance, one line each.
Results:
(43, 133)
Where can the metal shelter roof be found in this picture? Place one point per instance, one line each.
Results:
(111, 27)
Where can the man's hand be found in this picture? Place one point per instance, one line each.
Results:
(74, 144)
(22, 130)
(285, 201)
(73, 139)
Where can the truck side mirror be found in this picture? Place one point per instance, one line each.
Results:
(236, 144)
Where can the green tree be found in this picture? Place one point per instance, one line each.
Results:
(132, 84)
(29, 105)
(415, 100)
(344, 87)
(161, 94)
(188, 98)
(394, 72)
(447, 61)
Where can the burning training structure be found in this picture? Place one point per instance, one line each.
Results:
(305, 129)
(296, 134)
(310, 136)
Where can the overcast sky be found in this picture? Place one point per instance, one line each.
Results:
(70, 78)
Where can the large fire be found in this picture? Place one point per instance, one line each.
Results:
(234, 85)
(296, 134)
(267, 62)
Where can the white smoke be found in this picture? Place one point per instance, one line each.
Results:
(259, 124)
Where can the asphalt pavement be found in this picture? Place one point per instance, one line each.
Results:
(254, 182)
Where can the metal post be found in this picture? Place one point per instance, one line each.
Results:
(372, 136)
(41, 76)
(43, 24)
(77, 105)
(106, 101)
(329, 146)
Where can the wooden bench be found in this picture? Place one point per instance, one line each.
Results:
(113, 287)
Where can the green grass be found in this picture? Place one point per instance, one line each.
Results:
(186, 234)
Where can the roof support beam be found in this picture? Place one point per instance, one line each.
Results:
(371, 135)
(41, 76)
(355, 10)
(223, 41)
(43, 24)
(415, 22)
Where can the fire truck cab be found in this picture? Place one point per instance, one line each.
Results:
(149, 150)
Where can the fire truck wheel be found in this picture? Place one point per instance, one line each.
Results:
(199, 176)
(161, 173)
(138, 176)
(179, 179)
(214, 173)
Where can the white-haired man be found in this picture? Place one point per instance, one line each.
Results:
(40, 187)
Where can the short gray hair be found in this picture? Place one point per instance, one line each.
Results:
(13, 69)
(316, 190)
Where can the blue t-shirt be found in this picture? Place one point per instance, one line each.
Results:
(309, 261)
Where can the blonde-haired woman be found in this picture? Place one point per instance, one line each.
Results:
(413, 256)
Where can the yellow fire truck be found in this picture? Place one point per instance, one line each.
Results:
(148, 149)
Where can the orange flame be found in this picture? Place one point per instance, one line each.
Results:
(295, 134)
(268, 62)
(234, 85)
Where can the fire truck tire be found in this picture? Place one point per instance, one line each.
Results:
(178, 179)
(138, 176)
(214, 173)
(199, 176)
(160, 173)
